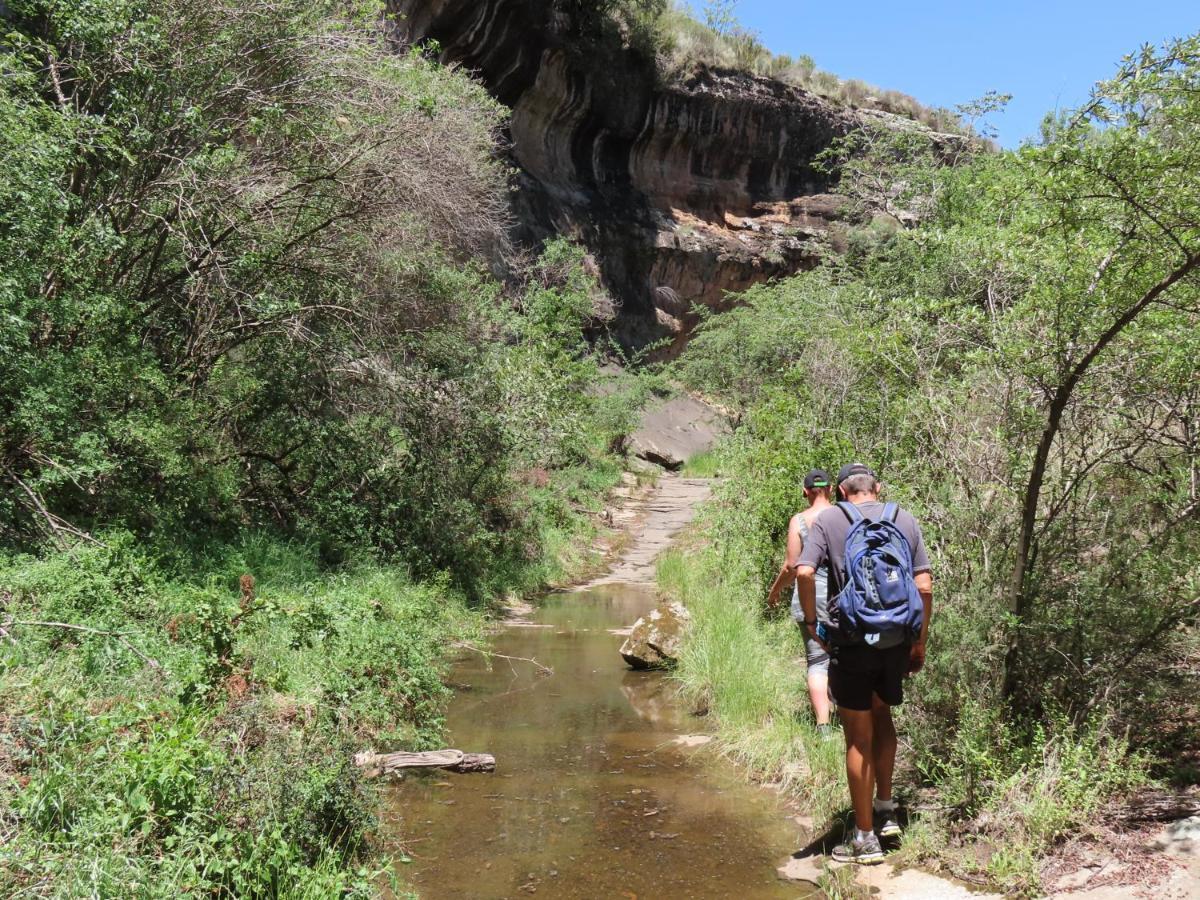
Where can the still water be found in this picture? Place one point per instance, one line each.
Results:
(592, 797)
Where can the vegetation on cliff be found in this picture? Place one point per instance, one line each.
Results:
(1022, 371)
(271, 431)
(680, 37)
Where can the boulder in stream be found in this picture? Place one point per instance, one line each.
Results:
(655, 639)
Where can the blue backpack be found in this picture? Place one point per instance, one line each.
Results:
(879, 603)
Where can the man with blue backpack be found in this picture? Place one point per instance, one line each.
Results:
(880, 602)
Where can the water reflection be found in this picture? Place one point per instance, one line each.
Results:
(654, 699)
(591, 797)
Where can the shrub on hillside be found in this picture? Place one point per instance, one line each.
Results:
(250, 286)
(229, 766)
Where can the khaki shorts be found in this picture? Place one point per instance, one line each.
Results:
(818, 658)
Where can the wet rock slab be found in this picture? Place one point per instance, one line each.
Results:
(674, 431)
(882, 880)
(909, 884)
(803, 868)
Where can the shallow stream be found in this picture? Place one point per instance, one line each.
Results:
(592, 796)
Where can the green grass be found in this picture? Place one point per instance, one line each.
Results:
(229, 769)
(749, 674)
(838, 883)
(703, 465)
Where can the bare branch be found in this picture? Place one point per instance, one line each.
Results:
(463, 645)
(118, 636)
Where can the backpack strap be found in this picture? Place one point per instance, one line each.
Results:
(890, 511)
(851, 511)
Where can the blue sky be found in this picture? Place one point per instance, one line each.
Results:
(1046, 54)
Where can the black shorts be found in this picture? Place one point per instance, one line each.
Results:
(857, 671)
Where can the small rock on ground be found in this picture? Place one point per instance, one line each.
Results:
(1181, 838)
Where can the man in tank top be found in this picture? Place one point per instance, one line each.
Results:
(817, 490)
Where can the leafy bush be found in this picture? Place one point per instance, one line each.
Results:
(234, 300)
(1024, 792)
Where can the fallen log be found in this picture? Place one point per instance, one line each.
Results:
(1160, 806)
(375, 764)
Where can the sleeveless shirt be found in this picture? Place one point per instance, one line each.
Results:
(822, 580)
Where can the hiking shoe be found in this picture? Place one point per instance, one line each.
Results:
(866, 852)
(886, 824)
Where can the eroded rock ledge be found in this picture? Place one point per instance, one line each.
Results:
(682, 191)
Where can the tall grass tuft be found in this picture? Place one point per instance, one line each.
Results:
(748, 673)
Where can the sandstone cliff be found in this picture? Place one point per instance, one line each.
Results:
(683, 191)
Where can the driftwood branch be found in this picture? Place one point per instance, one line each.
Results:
(117, 636)
(1160, 806)
(56, 524)
(463, 645)
(375, 764)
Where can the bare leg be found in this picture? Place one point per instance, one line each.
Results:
(860, 763)
(884, 747)
(818, 692)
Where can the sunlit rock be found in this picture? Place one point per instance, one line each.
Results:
(656, 638)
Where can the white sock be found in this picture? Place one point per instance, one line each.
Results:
(885, 806)
(860, 835)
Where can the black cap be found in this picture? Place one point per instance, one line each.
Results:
(816, 478)
(849, 470)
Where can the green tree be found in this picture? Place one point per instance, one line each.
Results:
(1021, 365)
(721, 16)
(1115, 196)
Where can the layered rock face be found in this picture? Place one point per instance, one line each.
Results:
(683, 192)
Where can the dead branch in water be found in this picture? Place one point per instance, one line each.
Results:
(376, 764)
(546, 670)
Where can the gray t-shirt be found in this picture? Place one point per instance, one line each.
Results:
(826, 542)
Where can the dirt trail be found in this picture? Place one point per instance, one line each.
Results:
(657, 520)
